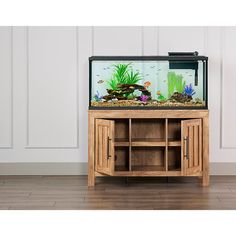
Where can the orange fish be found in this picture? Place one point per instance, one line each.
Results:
(159, 92)
(147, 84)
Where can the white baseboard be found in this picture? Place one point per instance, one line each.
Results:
(44, 168)
(69, 168)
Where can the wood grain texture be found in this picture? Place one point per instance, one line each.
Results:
(156, 142)
(104, 146)
(114, 193)
(205, 154)
(148, 114)
(91, 151)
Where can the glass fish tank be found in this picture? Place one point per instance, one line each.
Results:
(176, 81)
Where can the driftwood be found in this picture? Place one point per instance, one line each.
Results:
(179, 97)
(124, 90)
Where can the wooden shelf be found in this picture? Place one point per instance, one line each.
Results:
(174, 143)
(148, 142)
(121, 142)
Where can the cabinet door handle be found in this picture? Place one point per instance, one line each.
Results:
(108, 148)
(186, 148)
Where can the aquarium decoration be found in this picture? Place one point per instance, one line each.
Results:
(149, 82)
(175, 83)
(188, 89)
(97, 97)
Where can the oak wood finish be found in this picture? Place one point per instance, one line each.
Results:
(114, 193)
(154, 139)
(104, 147)
(192, 138)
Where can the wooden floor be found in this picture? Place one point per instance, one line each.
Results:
(72, 193)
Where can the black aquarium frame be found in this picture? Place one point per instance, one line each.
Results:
(186, 58)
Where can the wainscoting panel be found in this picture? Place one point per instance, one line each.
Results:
(228, 87)
(6, 106)
(52, 87)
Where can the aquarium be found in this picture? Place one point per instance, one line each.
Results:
(148, 82)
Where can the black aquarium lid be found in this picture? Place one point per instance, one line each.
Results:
(183, 57)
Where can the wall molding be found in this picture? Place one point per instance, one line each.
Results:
(10, 146)
(28, 146)
(80, 168)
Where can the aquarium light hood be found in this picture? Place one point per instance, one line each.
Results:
(185, 65)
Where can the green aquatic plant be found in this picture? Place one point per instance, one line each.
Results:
(123, 75)
(132, 78)
(175, 83)
(119, 76)
(121, 71)
(112, 83)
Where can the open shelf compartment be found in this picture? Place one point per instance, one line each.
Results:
(121, 158)
(174, 159)
(148, 132)
(174, 132)
(148, 159)
(122, 132)
(147, 145)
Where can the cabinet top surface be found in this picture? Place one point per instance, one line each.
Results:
(148, 113)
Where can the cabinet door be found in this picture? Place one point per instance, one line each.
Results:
(104, 146)
(191, 143)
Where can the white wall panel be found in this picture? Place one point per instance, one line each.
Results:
(5, 87)
(52, 87)
(150, 41)
(181, 39)
(117, 41)
(85, 51)
(213, 51)
(228, 86)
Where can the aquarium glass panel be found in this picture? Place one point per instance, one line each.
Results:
(146, 83)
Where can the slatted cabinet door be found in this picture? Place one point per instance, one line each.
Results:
(104, 146)
(191, 146)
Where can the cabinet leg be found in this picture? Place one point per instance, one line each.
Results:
(91, 180)
(205, 180)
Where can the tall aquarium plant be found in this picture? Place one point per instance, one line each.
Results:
(175, 83)
(123, 75)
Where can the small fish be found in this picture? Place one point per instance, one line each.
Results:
(164, 81)
(100, 81)
(159, 69)
(152, 67)
(147, 84)
(104, 68)
(147, 74)
(137, 70)
(108, 68)
(97, 75)
(158, 92)
(190, 75)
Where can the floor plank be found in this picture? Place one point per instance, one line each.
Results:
(72, 193)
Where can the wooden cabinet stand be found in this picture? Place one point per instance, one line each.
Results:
(148, 143)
